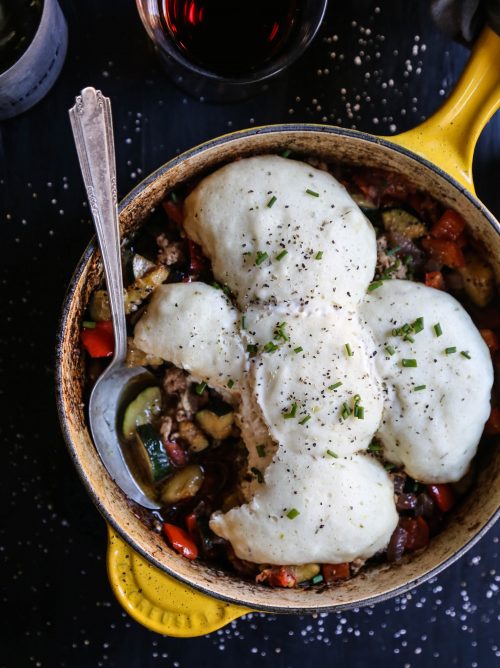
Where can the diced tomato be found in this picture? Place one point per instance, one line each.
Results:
(191, 523)
(335, 572)
(449, 227)
(180, 540)
(491, 339)
(99, 341)
(417, 531)
(443, 496)
(277, 576)
(492, 426)
(434, 279)
(174, 210)
(447, 252)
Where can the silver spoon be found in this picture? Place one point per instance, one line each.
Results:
(93, 133)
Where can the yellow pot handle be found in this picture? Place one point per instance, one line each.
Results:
(160, 602)
(449, 136)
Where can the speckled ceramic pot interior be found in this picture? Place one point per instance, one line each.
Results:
(475, 514)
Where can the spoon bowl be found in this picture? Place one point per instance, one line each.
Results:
(93, 132)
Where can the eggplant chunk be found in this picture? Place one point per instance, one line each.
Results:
(217, 426)
(193, 435)
(403, 223)
(478, 279)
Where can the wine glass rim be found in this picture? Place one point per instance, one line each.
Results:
(276, 66)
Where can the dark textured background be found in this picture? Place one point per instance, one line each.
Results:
(377, 67)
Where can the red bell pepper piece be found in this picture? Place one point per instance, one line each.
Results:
(443, 496)
(191, 523)
(417, 531)
(450, 226)
(180, 540)
(447, 252)
(335, 572)
(176, 453)
(99, 341)
(174, 210)
(434, 279)
(491, 339)
(492, 426)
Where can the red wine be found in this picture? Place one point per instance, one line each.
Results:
(230, 37)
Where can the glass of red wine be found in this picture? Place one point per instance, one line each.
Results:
(225, 50)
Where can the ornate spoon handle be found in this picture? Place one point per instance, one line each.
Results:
(93, 132)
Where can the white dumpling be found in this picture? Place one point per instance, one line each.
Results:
(346, 510)
(433, 431)
(306, 360)
(272, 205)
(194, 326)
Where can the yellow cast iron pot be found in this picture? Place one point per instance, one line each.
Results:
(155, 585)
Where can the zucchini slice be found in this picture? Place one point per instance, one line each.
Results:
(184, 484)
(217, 426)
(141, 410)
(151, 453)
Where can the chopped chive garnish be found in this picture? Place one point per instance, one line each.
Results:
(305, 419)
(174, 197)
(332, 454)
(390, 350)
(298, 349)
(286, 153)
(465, 353)
(312, 193)
(409, 363)
(247, 253)
(374, 447)
(408, 338)
(335, 386)
(408, 259)
(216, 285)
(292, 413)
(281, 255)
(418, 325)
(346, 411)
(271, 201)
(261, 257)
(279, 332)
(406, 328)
(437, 330)
(292, 513)
(390, 467)
(317, 579)
(88, 324)
(257, 474)
(261, 450)
(318, 255)
(252, 348)
(373, 286)
(359, 412)
(348, 350)
(230, 383)
(243, 322)
(418, 388)
(450, 351)
(270, 347)
(200, 388)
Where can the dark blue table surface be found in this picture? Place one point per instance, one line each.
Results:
(376, 67)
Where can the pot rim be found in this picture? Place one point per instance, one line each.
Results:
(85, 258)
